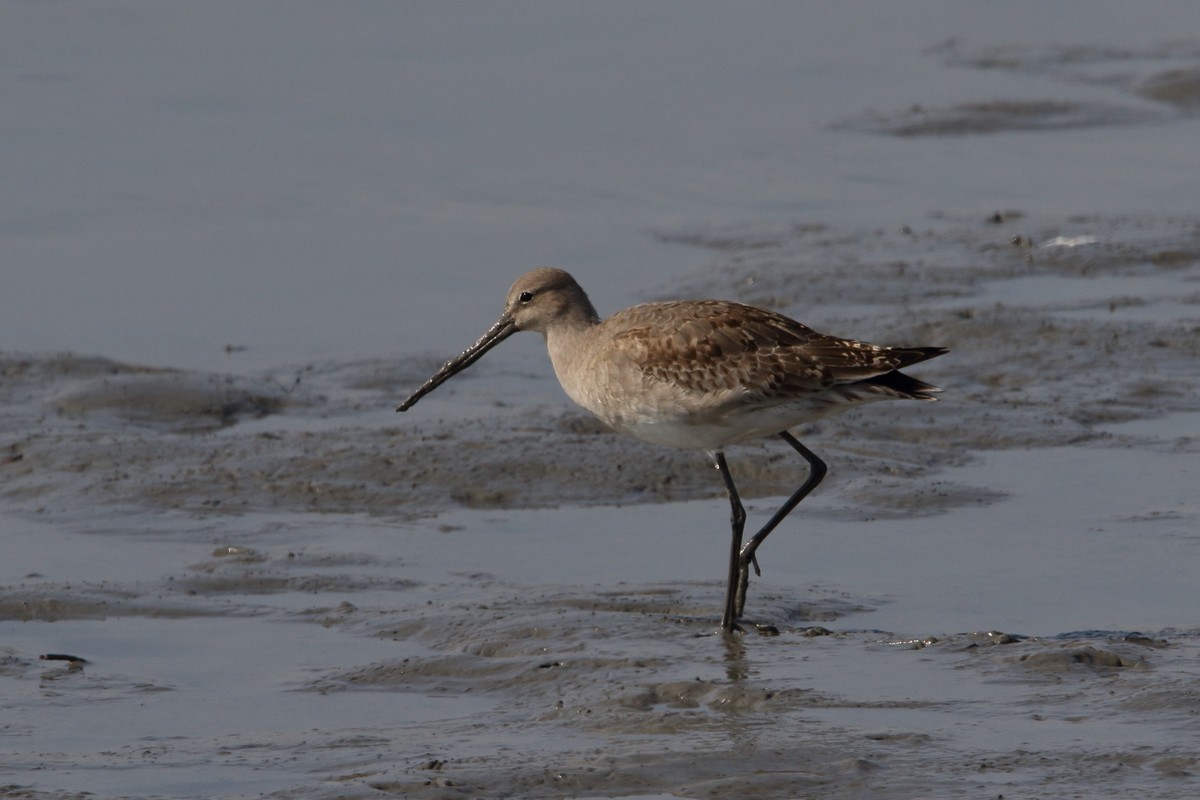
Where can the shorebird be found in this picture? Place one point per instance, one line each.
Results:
(699, 374)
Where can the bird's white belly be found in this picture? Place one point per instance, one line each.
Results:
(700, 431)
(621, 396)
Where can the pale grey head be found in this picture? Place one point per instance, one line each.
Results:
(539, 299)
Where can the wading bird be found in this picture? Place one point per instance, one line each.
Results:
(699, 374)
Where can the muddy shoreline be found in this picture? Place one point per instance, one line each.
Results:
(1021, 375)
(293, 503)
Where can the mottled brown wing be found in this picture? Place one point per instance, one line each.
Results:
(711, 345)
(850, 361)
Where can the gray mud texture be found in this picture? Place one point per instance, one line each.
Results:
(1056, 327)
(362, 652)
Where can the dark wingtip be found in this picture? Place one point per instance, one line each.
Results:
(915, 355)
(905, 385)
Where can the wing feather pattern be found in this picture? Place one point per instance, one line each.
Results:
(717, 346)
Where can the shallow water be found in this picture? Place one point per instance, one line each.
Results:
(317, 184)
(282, 588)
(303, 597)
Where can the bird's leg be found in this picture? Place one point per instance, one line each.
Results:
(746, 557)
(737, 521)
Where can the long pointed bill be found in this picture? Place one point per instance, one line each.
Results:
(496, 334)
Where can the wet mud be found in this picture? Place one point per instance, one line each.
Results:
(639, 698)
(1057, 327)
(705, 719)
(268, 584)
(1065, 334)
(630, 693)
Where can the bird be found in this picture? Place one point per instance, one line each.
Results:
(699, 375)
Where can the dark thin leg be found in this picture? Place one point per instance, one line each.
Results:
(816, 473)
(737, 521)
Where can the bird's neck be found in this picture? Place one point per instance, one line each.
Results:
(567, 342)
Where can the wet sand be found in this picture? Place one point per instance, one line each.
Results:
(280, 588)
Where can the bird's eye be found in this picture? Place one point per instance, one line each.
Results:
(525, 297)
